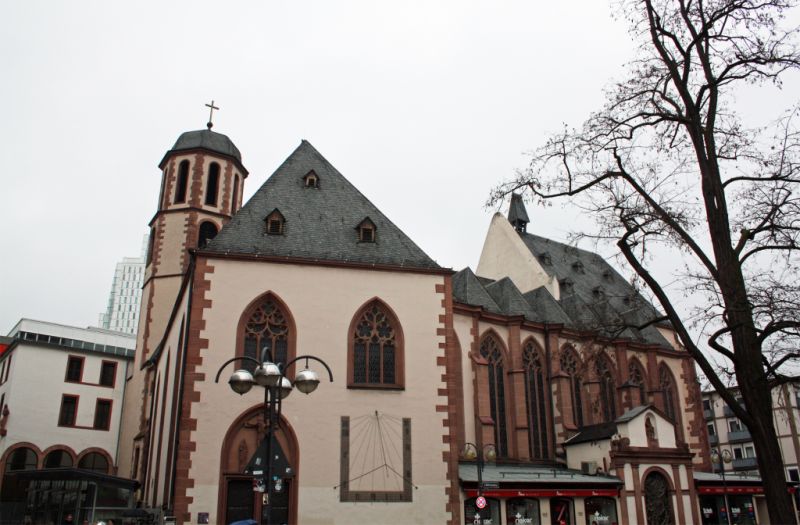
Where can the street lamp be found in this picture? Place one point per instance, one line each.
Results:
(473, 452)
(720, 458)
(271, 377)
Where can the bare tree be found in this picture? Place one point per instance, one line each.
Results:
(668, 162)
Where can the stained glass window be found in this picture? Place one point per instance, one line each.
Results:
(670, 394)
(490, 350)
(268, 328)
(375, 347)
(636, 377)
(607, 389)
(535, 401)
(569, 365)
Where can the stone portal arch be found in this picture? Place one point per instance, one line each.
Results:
(236, 495)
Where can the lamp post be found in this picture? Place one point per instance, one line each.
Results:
(270, 376)
(720, 458)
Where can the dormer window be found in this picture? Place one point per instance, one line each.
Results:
(607, 275)
(311, 180)
(577, 267)
(366, 231)
(566, 285)
(275, 223)
(599, 292)
(545, 259)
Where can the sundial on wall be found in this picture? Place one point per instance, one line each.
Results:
(376, 458)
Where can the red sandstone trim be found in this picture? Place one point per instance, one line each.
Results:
(194, 346)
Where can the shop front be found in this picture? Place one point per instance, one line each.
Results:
(66, 495)
(520, 495)
(736, 499)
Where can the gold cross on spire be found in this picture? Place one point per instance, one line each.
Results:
(210, 124)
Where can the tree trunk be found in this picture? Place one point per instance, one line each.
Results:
(770, 460)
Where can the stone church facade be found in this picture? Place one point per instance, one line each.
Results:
(542, 362)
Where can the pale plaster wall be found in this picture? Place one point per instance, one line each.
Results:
(165, 295)
(504, 254)
(595, 451)
(33, 395)
(323, 302)
(463, 328)
(635, 430)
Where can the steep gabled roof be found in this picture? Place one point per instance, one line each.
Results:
(468, 289)
(319, 221)
(509, 298)
(547, 308)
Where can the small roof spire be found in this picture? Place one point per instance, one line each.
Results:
(517, 215)
(210, 124)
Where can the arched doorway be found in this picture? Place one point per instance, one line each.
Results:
(657, 500)
(237, 498)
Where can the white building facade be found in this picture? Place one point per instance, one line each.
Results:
(61, 390)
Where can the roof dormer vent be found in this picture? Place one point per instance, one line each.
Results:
(566, 285)
(275, 222)
(599, 292)
(311, 180)
(577, 267)
(545, 259)
(366, 230)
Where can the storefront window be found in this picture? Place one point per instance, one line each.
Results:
(522, 511)
(714, 512)
(601, 511)
(489, 515)
(561, 511)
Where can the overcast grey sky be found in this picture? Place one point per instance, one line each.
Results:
(422, 105)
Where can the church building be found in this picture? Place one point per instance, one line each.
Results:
(538, 382)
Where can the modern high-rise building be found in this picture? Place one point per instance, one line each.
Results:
(122, 314)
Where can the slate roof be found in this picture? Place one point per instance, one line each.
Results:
(206, 139)
(320, 222)
(593, 296)
(590, 433)
(605, 430)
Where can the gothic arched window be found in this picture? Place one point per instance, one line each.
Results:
(608, 388)
(636, 378)
(267, 326)
(667, 384)
(490, 350)
(183, 182)
(376, 348)
(569, 365)
(535, 400)
(212, 186)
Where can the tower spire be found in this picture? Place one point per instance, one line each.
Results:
(517, 215)
(210, 124)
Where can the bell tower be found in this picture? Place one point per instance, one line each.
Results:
(202, 180)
